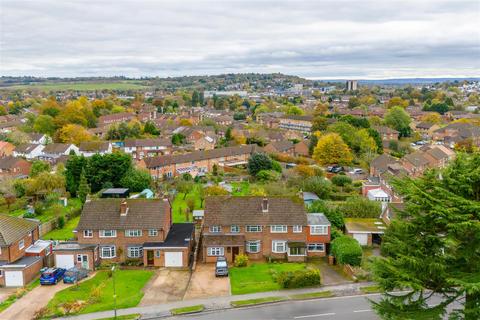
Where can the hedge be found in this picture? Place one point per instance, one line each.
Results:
(347, 250)
(299, 279)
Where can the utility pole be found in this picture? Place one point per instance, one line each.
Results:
(114, 294)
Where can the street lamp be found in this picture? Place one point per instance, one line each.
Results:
(114, 294)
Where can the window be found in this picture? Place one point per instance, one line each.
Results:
(108, 233)
(133, 233)
(87, 233)
(297, 229)
(135, 252)
(215, 251)
(278, 229)
(157, 253)
(253, 246)
(215, 229)
(254, 228)
(320, 247)
(279, 246)
(296, 251)
(152, 232)
(21, 244)
(318, 229)
(234, 229)
(107, 252)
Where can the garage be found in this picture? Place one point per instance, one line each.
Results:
(64, 261)
(14, 278)
(362, 238)
(174, 259)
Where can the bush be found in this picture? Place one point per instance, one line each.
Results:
(268, 175)
(241, 260)
(60, 222)
(341, 181)
(347, 251)
(133, 262)
(359, 207)
(318, 185)
(299, 279)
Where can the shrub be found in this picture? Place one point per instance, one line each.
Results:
(268, 175)
(133, 262)
(341, 181)
(298, 279)
(241, 260)
(318, 185)
(39, 209)
(60, 222)
(359, 207)
(347, 250)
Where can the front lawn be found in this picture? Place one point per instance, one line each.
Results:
(259, 277)
(65, 233)
(179, 204)
(96, 294)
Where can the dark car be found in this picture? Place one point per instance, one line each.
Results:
(221, 267)
(336, 169)
(52, 275)
(74, 274)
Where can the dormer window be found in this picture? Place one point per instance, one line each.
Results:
(264, 205)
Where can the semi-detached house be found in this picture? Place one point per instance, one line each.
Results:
(273, 227)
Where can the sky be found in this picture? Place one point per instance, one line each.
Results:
(313, 39)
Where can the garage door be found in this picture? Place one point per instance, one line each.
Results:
(64, 261)
(173, 259)
(362, 238)
(13, 278)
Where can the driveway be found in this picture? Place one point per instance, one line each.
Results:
(25, 307)
(204, 283)
(330, 275)
(167, 285)
(5, 293)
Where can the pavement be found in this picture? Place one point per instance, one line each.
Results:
(204, 284)
(217, 303)
(167, 285)
(25, 308)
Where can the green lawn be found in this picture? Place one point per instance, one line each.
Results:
(189, 309)
(96, 294)
(180, 204)
(252, 302)
(241, 188)
(65, 233)
(52, 211)
(259, 277)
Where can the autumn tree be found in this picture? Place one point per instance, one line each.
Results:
(398, 119)
(432, 117)
(331, 149)
(44, 124)
(74, 133)
(397, 102)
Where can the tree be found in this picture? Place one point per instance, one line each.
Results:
(136, 180)
(108, 168)
(433, 247)
(184, 186)
(178, 139)
(215, 191)
(432, 117)
(353, 102)
(44, 183)
(150, 128)
(331, 149)
(398, 119)
(360, 207)
(18, 137)
(258, 162)
(44, 124)
(74, 133)
(83, 187)
(333, 215)
(39, 166)
(397, 102)
(73, 169)
(318, 185)
(293, 110)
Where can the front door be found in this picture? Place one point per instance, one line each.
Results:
(82, 260)
(235, 252)
(150, 257)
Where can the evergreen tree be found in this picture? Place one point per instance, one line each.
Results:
(83, 187)
(433, 247)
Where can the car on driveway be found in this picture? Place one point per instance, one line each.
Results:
(221, 267)
(74, 275)
(356, 171)
(52, 276)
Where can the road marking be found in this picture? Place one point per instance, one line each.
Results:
(364, 310)
(316, 315)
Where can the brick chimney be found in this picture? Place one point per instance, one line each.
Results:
(123, 208)
(264, 205)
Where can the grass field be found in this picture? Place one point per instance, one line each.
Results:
(81, 86)
(65, 233)
(52, 211)
(96, 294)
(180, 204)
(259, 277)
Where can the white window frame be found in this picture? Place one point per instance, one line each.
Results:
(278, 228)
(234, 228)
(113, 252)
(88, 233)
(215, 229)
(152, 232)
(133, 233)
(276, 243)
(315, 247)
(135, 252)
(215, 251)
(113, 234)
(319, 230)
(21, 244)
(157, 253)
(253, 228)
(297, 229)
(253, 242)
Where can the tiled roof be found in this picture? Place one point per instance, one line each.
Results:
(26, 148)
(9, 162)
(228, 210)
(56, 148)
(142, 214)
(13, 229)
(94, 146)
(129, 143)
(416, 158)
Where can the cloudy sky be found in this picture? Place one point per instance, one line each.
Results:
(315, 39)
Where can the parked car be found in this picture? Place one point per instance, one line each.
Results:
(337, 169)
(52, 276)
(221, 267)
(356, 171)
(75, 274)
